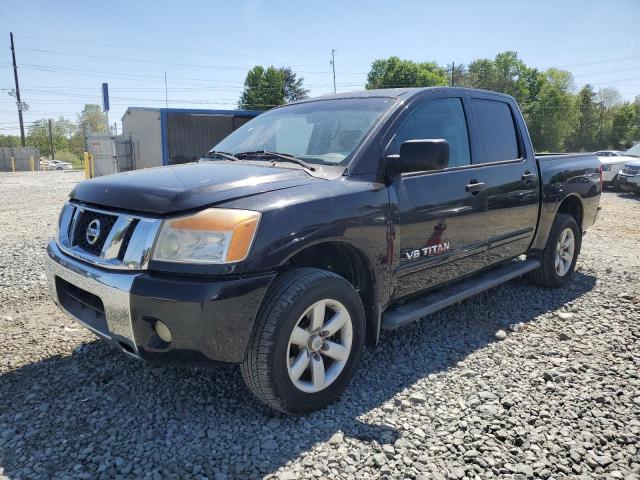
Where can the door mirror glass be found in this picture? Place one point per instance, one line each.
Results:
(419, 156)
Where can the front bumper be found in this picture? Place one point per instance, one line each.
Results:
(209, 319)
(629, 183)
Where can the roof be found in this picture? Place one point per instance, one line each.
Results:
(397, 93)
(196, 111)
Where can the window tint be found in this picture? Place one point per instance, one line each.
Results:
(442, 118)
(497, 130)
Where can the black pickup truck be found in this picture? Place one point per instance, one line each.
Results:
(313, 227)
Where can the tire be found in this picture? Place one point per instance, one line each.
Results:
(271, 363)
(615, 184)
(548, 275)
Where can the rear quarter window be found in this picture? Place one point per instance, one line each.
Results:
(497, 130)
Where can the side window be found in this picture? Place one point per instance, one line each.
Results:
(497, 130)
(441, 118)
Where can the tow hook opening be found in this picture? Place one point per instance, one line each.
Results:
(126, 347)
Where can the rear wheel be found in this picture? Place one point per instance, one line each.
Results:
(308, 340)
(558, 259)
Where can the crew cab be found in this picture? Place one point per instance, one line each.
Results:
(314, 226)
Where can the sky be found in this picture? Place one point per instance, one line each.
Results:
(65, 50)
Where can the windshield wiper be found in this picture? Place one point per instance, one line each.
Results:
(225, 155)
(281, 156)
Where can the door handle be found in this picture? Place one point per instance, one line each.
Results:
(474, 187)
(528, 177)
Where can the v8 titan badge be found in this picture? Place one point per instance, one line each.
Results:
(436, 245)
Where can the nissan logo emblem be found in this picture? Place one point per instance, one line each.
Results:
(93, 232)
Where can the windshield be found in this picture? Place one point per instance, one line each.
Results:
(321, 132)
(633, 151)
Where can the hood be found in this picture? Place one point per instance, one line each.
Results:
(634, 162)
(178, 188)
(613, 160)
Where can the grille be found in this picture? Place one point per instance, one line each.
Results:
(631, 170)
(79, 234)
(127, 238)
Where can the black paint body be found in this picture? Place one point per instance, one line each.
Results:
(380, 216)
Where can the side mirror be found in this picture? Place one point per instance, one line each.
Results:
(419, 156)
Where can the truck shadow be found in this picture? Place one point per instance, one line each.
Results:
(98, 405)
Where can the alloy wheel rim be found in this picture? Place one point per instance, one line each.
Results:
(564, 252)
(319, 346)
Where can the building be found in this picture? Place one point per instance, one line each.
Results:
(152, 137)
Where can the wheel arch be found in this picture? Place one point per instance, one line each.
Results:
(572, 205)
(347, 260)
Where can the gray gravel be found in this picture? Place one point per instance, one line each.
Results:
(518, 383)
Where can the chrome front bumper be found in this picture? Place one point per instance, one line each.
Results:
(112, 288)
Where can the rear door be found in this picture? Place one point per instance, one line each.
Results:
(439, 218)
(506, 165)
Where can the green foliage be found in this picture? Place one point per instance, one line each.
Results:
(65, 155)
(38, 135)
(557, 117)
(551, 115)
(265, 88)
(9, 141)
(293, 87)
(91, 119)
(395, 72)
(625, 125)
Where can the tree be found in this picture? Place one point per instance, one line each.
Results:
(624, 128)
(293, 87)
(586, 128)
(92, 119)
(394, 72)
(9, 141)
(551, 110)
(506, 73)
(265, 88)
(38, 135)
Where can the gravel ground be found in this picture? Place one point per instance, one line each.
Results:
(559, 396)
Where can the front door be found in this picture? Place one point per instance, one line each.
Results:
(440, 214)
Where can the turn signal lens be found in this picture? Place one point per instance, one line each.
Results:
(211, 236)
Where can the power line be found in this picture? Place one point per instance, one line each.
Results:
(599, 61)
(151, 49)
(150, 62)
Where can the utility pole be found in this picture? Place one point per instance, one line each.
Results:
(18, 101)
(333, 65)
(53, 152)
(453, 69)
(166, 97)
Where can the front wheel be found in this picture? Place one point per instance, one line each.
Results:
(558, 259)
(308, 339)
(615, 184)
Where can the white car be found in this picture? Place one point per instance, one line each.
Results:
(629, 177)
(608, 153)
(611, 166)
(57, 165)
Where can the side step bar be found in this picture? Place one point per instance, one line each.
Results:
(432, 302)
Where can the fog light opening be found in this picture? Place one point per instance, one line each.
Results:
(162, 331)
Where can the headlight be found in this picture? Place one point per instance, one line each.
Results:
(214, 235)
(606, 168)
